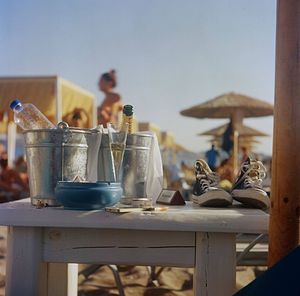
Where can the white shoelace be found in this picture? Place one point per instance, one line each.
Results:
(259, 171)
(212, 177)
(250, 182)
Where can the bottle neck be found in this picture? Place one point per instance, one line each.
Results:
(18, 108)
(127, 120)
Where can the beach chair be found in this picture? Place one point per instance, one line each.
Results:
(280, 279)
(252, 250)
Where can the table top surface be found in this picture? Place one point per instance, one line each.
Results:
(190, 217)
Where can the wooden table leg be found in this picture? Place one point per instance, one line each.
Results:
(215, 264)
(24, 268)
(62, 279)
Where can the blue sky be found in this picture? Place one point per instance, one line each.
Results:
(169, 54)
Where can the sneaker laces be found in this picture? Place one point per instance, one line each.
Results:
(203, 172)
(253, 173)
(251, 182)
(204, 183)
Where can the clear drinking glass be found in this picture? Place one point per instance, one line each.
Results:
(117, 142)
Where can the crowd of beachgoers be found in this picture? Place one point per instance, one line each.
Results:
(13, 179)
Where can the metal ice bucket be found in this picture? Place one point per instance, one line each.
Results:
(135, 165)
(54, 155)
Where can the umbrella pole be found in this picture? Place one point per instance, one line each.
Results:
(237, 121)
(235, 152)
(285, 210)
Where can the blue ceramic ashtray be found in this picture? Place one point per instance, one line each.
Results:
(87, 195)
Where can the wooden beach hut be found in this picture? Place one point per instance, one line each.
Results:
(56, 97)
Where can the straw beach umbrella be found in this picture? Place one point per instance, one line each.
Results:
(246, 133)
(228, 106)
(234, 106)
(242, 140)
(243, 130)
(248, 142)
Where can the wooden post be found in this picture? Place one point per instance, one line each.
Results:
(284, 219)
(25, 268)
(58, 102)
(214, 264)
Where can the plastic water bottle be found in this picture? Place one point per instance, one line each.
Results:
(28, 117)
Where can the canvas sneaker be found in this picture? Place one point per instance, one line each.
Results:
(205, 191)
(248, 186)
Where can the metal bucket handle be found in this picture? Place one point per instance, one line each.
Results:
(67, 135)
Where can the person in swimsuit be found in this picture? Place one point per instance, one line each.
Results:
(111, 107)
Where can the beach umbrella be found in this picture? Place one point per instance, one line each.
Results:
(247, 135)
(234, 106)
(242, 140)
(243, 130)
(247, 142)
(230, 105)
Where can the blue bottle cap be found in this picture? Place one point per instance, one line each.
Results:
(14, 104)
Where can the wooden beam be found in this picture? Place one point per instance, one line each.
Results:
(284, 219)
(119, 247)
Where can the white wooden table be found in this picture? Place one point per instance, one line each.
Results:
(184, 236)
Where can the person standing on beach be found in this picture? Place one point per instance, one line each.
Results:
(111, 107)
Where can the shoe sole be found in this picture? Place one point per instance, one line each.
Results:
(253, 198)
(217, 198)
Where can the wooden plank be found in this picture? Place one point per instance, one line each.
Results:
(176, 256)
(119, 247)
(285, 200)
(69, 237)
(215, 264)
(24, 267)
(178, 218)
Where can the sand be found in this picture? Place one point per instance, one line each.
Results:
(135, 279)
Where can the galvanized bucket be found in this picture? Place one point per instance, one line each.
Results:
(135, 165)
(54, 155)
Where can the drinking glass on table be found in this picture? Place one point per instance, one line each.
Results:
(117, 143)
